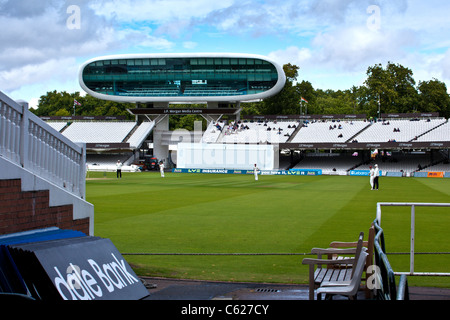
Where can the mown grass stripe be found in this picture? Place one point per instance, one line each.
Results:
(214, 213)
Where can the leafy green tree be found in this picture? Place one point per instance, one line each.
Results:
(363, 101)
(252, 108)
(54, 103)
(186, 122)
(381, 89)
(62, 113)
(434, 97)
(287, 100)
(306, 90)
(392, 88)
(404, 87)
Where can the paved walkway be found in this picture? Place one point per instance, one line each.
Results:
(174, 289)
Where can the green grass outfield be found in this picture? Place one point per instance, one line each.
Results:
(216, 213)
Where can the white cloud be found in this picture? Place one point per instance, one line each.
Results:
(328, 39)
(156, 11)
(33, 103)
(189, 44)
(293, 55)
(33, 37)
(445, 63)
(351, 48)
(439, 67)
(143, 38)
(38, 46)
(321, 76)
(58, 69)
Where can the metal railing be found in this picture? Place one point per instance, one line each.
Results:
(385, 288)
(31, 143)
(413, 206)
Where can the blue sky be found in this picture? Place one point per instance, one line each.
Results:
(332, 41)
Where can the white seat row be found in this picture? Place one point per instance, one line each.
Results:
(140, 134)
(405, 130)
(212, 133)
(258, 132)
(329, 131)
(441, 167)
(58, 126)
(441, 133)
(98, 132)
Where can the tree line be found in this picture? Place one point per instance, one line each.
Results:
(389, 89)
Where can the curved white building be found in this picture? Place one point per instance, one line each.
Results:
(188, 78)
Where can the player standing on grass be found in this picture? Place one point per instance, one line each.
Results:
(119, 169)
(376, 175)
(161, 169)
(371, 174)
(255, 172)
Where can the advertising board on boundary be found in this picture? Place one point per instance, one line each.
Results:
(84, 268)
(435, 174)
(362, 172)
(294, 172)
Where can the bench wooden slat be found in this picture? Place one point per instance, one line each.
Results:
(329, 270)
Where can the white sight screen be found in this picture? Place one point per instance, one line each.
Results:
(225, 156)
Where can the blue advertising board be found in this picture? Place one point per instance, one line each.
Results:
(295, 172)
(361, 172)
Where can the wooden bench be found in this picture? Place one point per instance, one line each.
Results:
(334, 270)
(345, 288)
(369, 244)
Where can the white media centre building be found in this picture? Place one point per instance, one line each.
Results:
(220, 80)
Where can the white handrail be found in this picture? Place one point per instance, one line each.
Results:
(31, 143)
(413, 218)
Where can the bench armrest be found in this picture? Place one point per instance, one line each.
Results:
(332, 251)
(338, 244)
(312, 261)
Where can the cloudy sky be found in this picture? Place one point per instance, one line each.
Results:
(43, 43)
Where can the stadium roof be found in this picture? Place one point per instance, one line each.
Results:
(188, 78)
